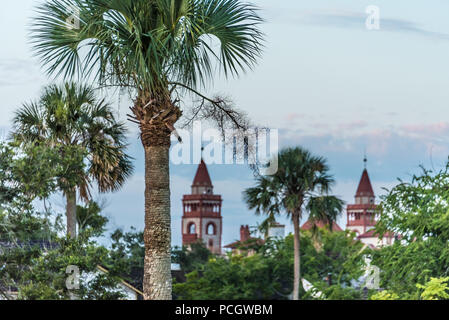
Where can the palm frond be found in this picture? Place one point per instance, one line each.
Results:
(325, 208)
(145, 44)
(70, 117)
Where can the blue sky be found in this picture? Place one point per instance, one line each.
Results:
(325, 81)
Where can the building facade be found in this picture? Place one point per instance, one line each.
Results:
(362, 216)
(202, 218)
(247, 244)
(276, 230)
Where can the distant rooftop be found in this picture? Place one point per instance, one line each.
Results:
(320, 224)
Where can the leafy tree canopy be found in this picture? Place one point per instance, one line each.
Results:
(418, 212)
(268, 274)
(33, 255)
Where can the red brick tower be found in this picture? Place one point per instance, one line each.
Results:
(202, 213)
(361, 216)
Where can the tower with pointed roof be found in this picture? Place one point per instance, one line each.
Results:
(202, 218)
(362, 216)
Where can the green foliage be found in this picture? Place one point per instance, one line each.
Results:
(90, 219)
(418, 212)
(384, 295)
(34, 260)
(333, 254)
(18, 225)
(158, 49)
(126, 256)
(26, 173)
(193, 258)
(302, 182)
(302, 179)
(46, 277)
(50, 167)
(268, 274)
(337, 292)
(419, 209)
(233, 278)
(21, 232)
(145, 44)
(80, 136)
(435, 289)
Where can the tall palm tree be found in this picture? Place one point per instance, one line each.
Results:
(159, 49)
(69, 118)
(301, 183)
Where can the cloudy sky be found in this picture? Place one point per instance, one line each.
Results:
(325, 81)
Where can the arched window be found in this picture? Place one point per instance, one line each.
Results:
(211, 228)
(191, 228)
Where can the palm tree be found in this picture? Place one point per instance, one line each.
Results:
(301, 183)
(159, 49)
(71, 120)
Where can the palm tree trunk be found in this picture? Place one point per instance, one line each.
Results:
(157, 282)
(297, 261)
(71, 213)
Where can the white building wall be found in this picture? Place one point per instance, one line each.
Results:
(215, 237)
(376, 242)
(276, 232)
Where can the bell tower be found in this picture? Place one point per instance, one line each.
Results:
(361, 216)
(202, 213)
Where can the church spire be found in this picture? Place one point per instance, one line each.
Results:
(365, 188)
(202, 184)
(202, 177)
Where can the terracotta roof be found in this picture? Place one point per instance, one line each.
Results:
(372, 234)
(202, 177)
(368, 234)
(320, 224)
(365, 188)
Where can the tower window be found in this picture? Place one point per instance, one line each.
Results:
(191, 228)
(211, 229)
(211, 243)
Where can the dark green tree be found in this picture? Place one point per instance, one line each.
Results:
(334, 256)
(126, 256)
(89, 218)
(268, 274)
(418, 213)
(45, 277)
(26, 173)
(192, 258)
(33, 256)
